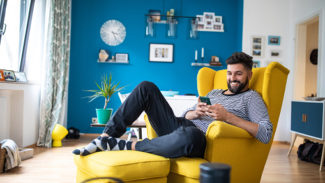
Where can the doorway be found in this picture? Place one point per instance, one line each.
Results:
(306, 69)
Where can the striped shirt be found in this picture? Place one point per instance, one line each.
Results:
(247, 105)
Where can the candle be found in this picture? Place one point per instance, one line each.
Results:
(195, 54)
(202, 55)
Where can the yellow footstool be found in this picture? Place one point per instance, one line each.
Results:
(129, 166)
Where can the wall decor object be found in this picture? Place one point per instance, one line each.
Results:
(9, 75)
(113, 32)
(273, 40)
(209, 22)
(122, 57)
(275, 53)
(103, 55)
(256, 63)
(2, 77)
(155, 15)
(314, 56)
(161, 52)
(20, 77)
(257, 46)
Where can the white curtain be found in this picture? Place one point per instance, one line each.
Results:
(54, 88)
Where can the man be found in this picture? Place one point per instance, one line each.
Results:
(185, 136)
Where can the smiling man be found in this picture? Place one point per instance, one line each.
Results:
(185, 136)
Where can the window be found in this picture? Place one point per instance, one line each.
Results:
(14, 31)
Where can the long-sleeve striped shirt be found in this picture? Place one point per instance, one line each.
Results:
(247, 105)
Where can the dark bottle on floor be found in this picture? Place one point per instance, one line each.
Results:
(214, 172)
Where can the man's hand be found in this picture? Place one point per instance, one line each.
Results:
(200, 110)
(217, 112)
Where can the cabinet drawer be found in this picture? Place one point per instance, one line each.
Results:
(307, 118)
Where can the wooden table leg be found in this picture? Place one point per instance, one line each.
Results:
(292, 143)
(140, 133)
(322, 159)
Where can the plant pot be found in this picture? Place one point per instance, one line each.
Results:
(103, 115)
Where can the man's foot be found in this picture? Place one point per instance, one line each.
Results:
(103, 144)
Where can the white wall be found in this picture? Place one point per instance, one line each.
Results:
(279, 17)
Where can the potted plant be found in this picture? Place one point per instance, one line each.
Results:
(106, 89)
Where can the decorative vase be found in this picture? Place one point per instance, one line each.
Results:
(103, 115)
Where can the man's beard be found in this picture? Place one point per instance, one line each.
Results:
(238, 89)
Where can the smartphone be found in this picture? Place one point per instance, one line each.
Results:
(205, 100)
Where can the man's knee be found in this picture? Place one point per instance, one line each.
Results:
(147, 84)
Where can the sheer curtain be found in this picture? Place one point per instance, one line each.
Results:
(54, 86)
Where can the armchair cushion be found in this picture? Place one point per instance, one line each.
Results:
(188, 167)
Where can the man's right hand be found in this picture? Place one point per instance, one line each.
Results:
(200, 110)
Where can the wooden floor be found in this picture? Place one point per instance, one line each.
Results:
(56, 166)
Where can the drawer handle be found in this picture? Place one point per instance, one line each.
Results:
(304, 118)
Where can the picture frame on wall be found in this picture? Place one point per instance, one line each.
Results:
(275, 53)
(274, 40)
(161, 52)
(257, 46)
(9, 75)
(256, 64)
(218, 19)
(218, 27)
(200, 19)
(122, 57)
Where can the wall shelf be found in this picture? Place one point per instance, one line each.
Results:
(200, 64)
(171, 22)
(112, 62)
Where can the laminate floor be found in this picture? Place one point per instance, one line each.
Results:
(56, 165)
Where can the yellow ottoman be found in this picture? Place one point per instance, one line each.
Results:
(129, 166)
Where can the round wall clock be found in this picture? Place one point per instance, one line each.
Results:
(113, 32)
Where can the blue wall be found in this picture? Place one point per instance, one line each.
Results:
(87, 19)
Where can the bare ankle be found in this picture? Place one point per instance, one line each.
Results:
(104, 135)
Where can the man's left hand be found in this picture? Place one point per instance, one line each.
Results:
(217, 112)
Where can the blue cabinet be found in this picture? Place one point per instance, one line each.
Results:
(307, 118)
(307, 121)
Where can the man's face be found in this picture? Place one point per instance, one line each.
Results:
(238, 78)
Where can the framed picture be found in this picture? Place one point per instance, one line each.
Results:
(256, 63)
(257, 46)
(161, 52)
(20, 77)
(218, 27)
(200, 19)
(2, 77)
(122, 57)
(9, 75)
(275, 53)
(208, 16)
(218, 19)
(274, 40)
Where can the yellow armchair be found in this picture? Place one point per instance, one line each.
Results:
(227, 143)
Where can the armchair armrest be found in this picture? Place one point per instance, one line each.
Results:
(219, 129)
(224, 139)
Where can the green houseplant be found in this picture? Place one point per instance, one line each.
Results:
(106, 89)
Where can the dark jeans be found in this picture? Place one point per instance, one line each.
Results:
(176, 136)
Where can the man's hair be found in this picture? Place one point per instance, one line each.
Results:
(241, 58)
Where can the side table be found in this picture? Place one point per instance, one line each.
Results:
(136, 124)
